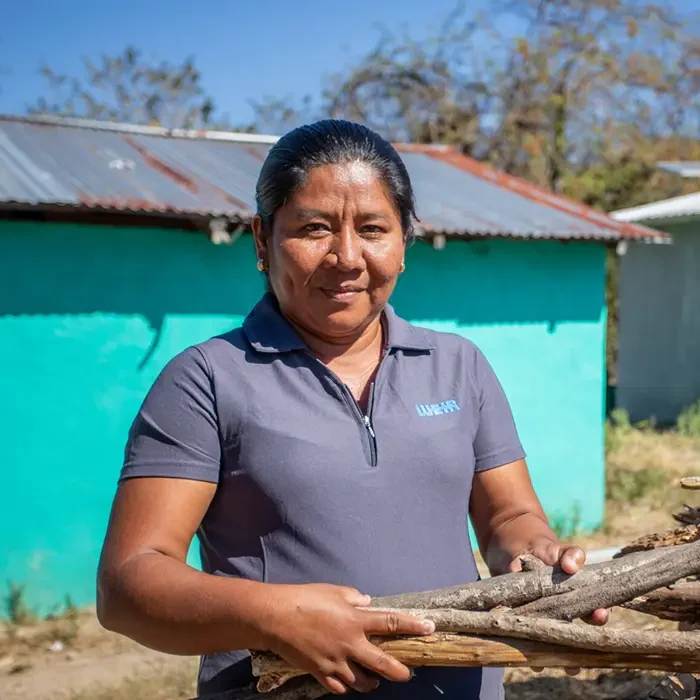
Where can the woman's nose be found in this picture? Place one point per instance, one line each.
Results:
(348, 250)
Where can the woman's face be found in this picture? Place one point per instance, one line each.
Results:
(335, 251)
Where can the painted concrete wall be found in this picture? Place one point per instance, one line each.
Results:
(659, 334)
(89, 315)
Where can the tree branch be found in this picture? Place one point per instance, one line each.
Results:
(516, 589)
(675, 564)
(462, 651)
(680, 603)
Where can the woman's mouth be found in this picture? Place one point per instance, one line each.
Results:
(343, 294)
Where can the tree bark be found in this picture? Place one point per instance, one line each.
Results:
(680, 603)
(688, 516)
(669, 538)
(675, 564)
(516, 589)
(462, 651)
(581, 636)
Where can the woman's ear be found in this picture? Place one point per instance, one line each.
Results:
(259, 238)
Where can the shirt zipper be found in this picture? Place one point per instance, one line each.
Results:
(370, 430)
(365, 418)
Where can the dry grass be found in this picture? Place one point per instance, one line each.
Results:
(643, 469)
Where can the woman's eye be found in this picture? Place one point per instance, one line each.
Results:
(316, 228)
(371, 231)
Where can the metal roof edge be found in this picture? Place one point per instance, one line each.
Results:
(244, 219)
(97, 125)
(688, 208)
(524, 188)
(686, 169)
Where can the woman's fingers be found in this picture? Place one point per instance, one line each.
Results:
(381, 663)
(598, 617)
(357, 678)
(332, 684)
(355, 598)
(571, 559)
(394, 623)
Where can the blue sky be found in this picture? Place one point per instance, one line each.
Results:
(244, 50)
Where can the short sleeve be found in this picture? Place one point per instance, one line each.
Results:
(496, 442)
(175, 433)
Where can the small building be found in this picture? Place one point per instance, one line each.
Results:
(108, 268)
(658, 369)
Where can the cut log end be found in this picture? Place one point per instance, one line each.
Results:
(691, 483)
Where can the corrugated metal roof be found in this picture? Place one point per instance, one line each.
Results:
(684, 168)
(75, 163)
(683, 207)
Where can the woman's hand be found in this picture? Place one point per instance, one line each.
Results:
(324, 630)
(571, 559)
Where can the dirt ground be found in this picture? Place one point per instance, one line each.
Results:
(74, 659)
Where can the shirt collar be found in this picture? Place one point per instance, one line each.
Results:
(269, 331)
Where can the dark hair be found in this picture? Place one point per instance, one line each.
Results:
(331, 142)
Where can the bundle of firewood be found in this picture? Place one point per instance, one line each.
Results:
(532, 618)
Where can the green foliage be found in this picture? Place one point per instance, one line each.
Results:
(688, 422)
(17, 611)
(616, 428)
(66, 623)
(627, 485)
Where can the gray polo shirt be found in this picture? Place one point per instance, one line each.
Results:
(309, 489)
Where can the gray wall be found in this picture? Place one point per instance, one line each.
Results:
(659, 333)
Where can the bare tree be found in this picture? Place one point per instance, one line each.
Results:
(130, 89)
(582, 96)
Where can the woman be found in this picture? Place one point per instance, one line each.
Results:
(324, 452)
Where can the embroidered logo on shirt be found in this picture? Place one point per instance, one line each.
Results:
(437, 409)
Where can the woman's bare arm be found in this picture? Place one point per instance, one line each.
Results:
(509, 520)
(147, 591)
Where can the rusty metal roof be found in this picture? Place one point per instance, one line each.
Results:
(119, 167)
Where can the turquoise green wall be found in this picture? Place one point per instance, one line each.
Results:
(537, 310)
(89, 315)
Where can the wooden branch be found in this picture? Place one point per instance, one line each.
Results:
(509, 624)
(688, 516)
(462, 651)
(667, 538)
(512, 590)
(692, 483)
(677, 563)
(680, 603)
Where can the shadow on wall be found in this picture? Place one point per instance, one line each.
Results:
(504, 281)
(66, 269)
(72, 270)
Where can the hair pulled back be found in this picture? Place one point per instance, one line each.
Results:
(331, 142)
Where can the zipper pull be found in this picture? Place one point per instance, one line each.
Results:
(368, 425)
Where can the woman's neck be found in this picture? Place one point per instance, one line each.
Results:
(358, 348)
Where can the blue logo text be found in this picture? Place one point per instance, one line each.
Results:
(436, 409)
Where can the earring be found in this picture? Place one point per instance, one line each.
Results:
(261, 265)
(403, 266)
